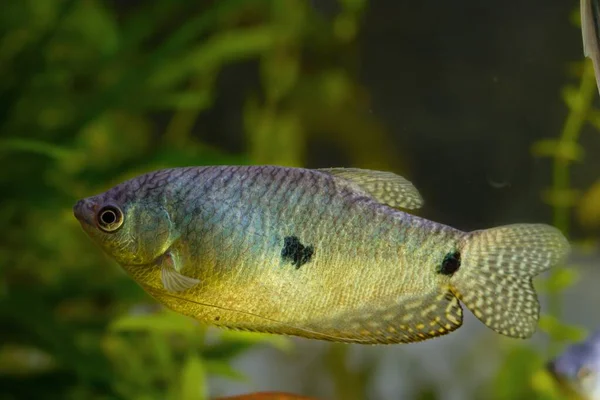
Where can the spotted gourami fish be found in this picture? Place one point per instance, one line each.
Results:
(267, 396)
(577, 369)
(323, 254)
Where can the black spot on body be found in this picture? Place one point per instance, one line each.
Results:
(295, 252)
(451, 263)
(217, 318)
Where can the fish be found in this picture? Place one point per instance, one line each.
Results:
(577, 369)
(590, 15)
(267, 396)
(332, 254)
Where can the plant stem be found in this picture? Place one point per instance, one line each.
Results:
(579, 111)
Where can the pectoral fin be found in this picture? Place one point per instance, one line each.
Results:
(174, 282)
(385, 187)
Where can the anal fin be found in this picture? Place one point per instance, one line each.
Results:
(412, 319)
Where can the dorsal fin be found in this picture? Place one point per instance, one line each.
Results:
(385, 187)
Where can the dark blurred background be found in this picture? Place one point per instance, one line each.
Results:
(489, 108)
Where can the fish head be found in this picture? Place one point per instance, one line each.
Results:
(130, 223)
(577, 369)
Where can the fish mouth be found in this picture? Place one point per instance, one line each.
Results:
(84, 211)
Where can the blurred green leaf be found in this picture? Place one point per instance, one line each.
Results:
(283, 343)
(588, 210)
(514, 378)
(560, 332)
(193, 386)
(225, 350)
(545, 386)
(223, 48)
(280, 71)
(561, 198)
(40, 325)
(164, 322)
(93, 25)
(571, 96)
(36, 146)
(222, 368)
(559, 149)
(560, 279)
(353, 5)
(345, 27)
(132, 79)
(187, 100)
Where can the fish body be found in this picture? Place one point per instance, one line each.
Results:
(324, 254)
(577, 369)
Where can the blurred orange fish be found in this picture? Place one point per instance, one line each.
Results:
(267, 396)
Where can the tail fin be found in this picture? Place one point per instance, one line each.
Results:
(498, 264)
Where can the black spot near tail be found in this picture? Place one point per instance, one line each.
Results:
(451, 263)
(295, 252)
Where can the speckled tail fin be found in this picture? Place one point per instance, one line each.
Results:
(495, 278)
(590, 30)
(413, 319)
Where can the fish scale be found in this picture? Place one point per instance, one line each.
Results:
(323, 254)
(241, 192)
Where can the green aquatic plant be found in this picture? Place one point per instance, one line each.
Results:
(523, 373)
(165, 355)
(93, 93)
(562, 197)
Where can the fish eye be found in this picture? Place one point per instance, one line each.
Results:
(110, 218)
